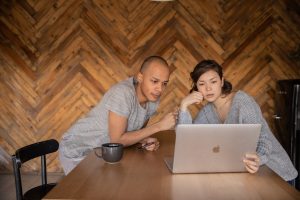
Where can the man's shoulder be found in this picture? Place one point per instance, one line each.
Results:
(123, 86)
(123, 89)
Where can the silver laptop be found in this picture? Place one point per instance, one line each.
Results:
(209, 148)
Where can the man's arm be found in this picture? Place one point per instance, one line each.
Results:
(145, 124)
(117, 126)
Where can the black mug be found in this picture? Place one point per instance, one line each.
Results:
(110, 152)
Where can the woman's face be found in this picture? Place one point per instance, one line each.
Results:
(210, 85)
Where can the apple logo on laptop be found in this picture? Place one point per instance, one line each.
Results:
(216, 149)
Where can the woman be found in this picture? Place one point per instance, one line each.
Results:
(228, 107)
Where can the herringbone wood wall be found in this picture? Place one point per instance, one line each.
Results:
(57, 58)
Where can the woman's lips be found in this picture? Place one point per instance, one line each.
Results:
(208, 96)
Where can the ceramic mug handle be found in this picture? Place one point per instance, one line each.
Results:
(95, 151)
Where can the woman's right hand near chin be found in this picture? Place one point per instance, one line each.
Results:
(194, 97)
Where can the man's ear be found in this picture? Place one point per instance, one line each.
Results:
(139, 77)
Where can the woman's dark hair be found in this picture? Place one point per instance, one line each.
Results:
(207, 65)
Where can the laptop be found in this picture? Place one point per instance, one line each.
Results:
(210, 148)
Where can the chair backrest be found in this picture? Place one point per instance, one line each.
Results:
(24, 154)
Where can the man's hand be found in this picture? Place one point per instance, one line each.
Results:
(168, 121)
(150, 144)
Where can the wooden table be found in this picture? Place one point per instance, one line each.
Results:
(144, 175)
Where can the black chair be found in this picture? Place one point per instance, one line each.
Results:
(29, 152)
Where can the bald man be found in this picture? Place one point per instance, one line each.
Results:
(121, 115)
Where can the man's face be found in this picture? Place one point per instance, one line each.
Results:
(153, 81)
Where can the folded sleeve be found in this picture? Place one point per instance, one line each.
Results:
(120, 101)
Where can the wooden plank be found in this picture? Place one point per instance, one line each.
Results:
(58, 58)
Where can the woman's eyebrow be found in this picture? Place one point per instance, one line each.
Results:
(209, 79)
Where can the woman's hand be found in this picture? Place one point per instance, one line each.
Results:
(150, 144)
(194, 97)
(251, 162)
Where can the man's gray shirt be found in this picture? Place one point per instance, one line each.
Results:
(92, 130)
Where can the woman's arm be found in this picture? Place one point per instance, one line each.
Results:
(250, 113)
(184, 114)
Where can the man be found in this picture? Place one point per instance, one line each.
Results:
(121, 115)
